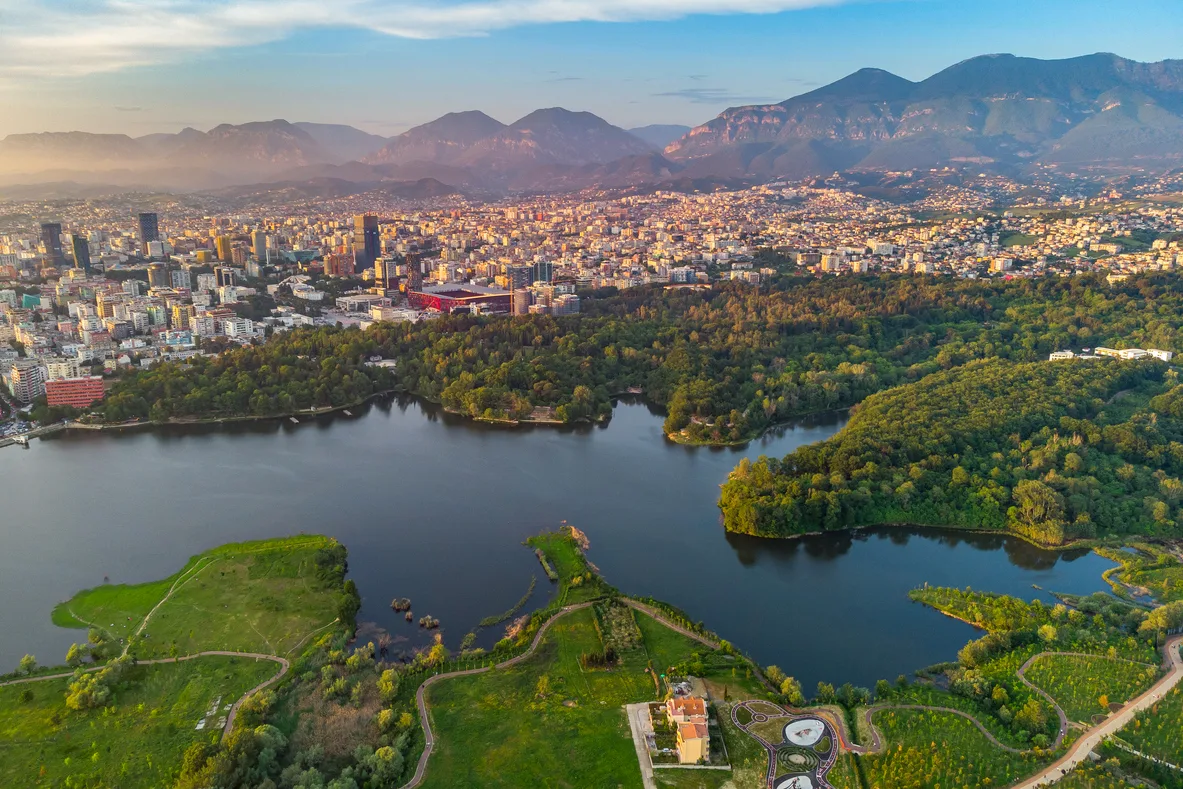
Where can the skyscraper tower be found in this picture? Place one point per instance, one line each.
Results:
(367, 242)
(259, 245)
(149, 229)
(224, 248)
(81, 249)
(51, 239)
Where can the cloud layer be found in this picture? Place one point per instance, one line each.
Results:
(63, 38)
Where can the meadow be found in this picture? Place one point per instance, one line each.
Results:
(137, 740)
(265, 597)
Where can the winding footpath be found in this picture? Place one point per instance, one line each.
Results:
(421, 693)
(1081, 749)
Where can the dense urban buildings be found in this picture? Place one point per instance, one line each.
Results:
(129, 294)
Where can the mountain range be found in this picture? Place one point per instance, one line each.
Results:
(994, 111)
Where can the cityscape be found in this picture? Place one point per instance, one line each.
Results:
(495, 394)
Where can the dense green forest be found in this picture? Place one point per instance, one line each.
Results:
(726, 363)
(1048, 450)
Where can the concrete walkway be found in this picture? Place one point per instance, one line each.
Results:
(637, 716)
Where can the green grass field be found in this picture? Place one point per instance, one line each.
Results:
(137, 741)
(1158, 731)
(501, 729)
(1077, 683)
(927, 750)
(261, 597)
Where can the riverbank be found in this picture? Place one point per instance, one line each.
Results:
(683, 440)
(196, 421)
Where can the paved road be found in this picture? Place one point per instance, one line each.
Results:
(637, 713)
(1092, 738)
(283, 664)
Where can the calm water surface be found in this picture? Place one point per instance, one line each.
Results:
(435, 508)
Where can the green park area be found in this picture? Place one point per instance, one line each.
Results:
(262, 597)
(545, 706)
(1086, 685)
(1158, 732)
(135, 739)
(557, 718)
(1146, 570)
(932, 748)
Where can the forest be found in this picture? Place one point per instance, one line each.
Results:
(725, 363)
(1052, 451)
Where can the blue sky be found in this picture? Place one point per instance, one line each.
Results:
(141, 66)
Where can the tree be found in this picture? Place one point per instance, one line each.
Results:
(1032, 717)
(791, 690)
(882, 689)
(28, 664)
(774, 675)
(825, 692)
(542, 689)
(1047, 633)
(1104, 702)
(1038, 512)
(74, 656)
(388, 685)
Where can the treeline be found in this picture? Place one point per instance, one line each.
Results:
(725, 363)
(1040, 449)
(308, 368)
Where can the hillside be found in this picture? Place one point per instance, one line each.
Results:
(992, 109)
(1034, 448)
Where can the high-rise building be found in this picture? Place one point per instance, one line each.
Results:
(149, 230)
(27, 380)
(259, 245)
(158, 276)
(224, 248)
(51, 239)
(518, 276)
(181, 279)
(367, 241)
(225, 276)
(80, 248)
(544, 271)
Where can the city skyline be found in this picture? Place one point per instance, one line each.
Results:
(384, 66)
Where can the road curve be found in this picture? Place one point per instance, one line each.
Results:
(421, 700)
(420, 694)
(284, 667)
(1093, 737)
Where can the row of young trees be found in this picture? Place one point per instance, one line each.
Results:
(1036, 448)
(726, 363)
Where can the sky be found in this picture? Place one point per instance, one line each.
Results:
(143, 66)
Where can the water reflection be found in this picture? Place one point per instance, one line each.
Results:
(435, 507)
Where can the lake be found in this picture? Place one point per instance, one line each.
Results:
(436, 508)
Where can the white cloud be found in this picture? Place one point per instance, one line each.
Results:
(62, 38)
